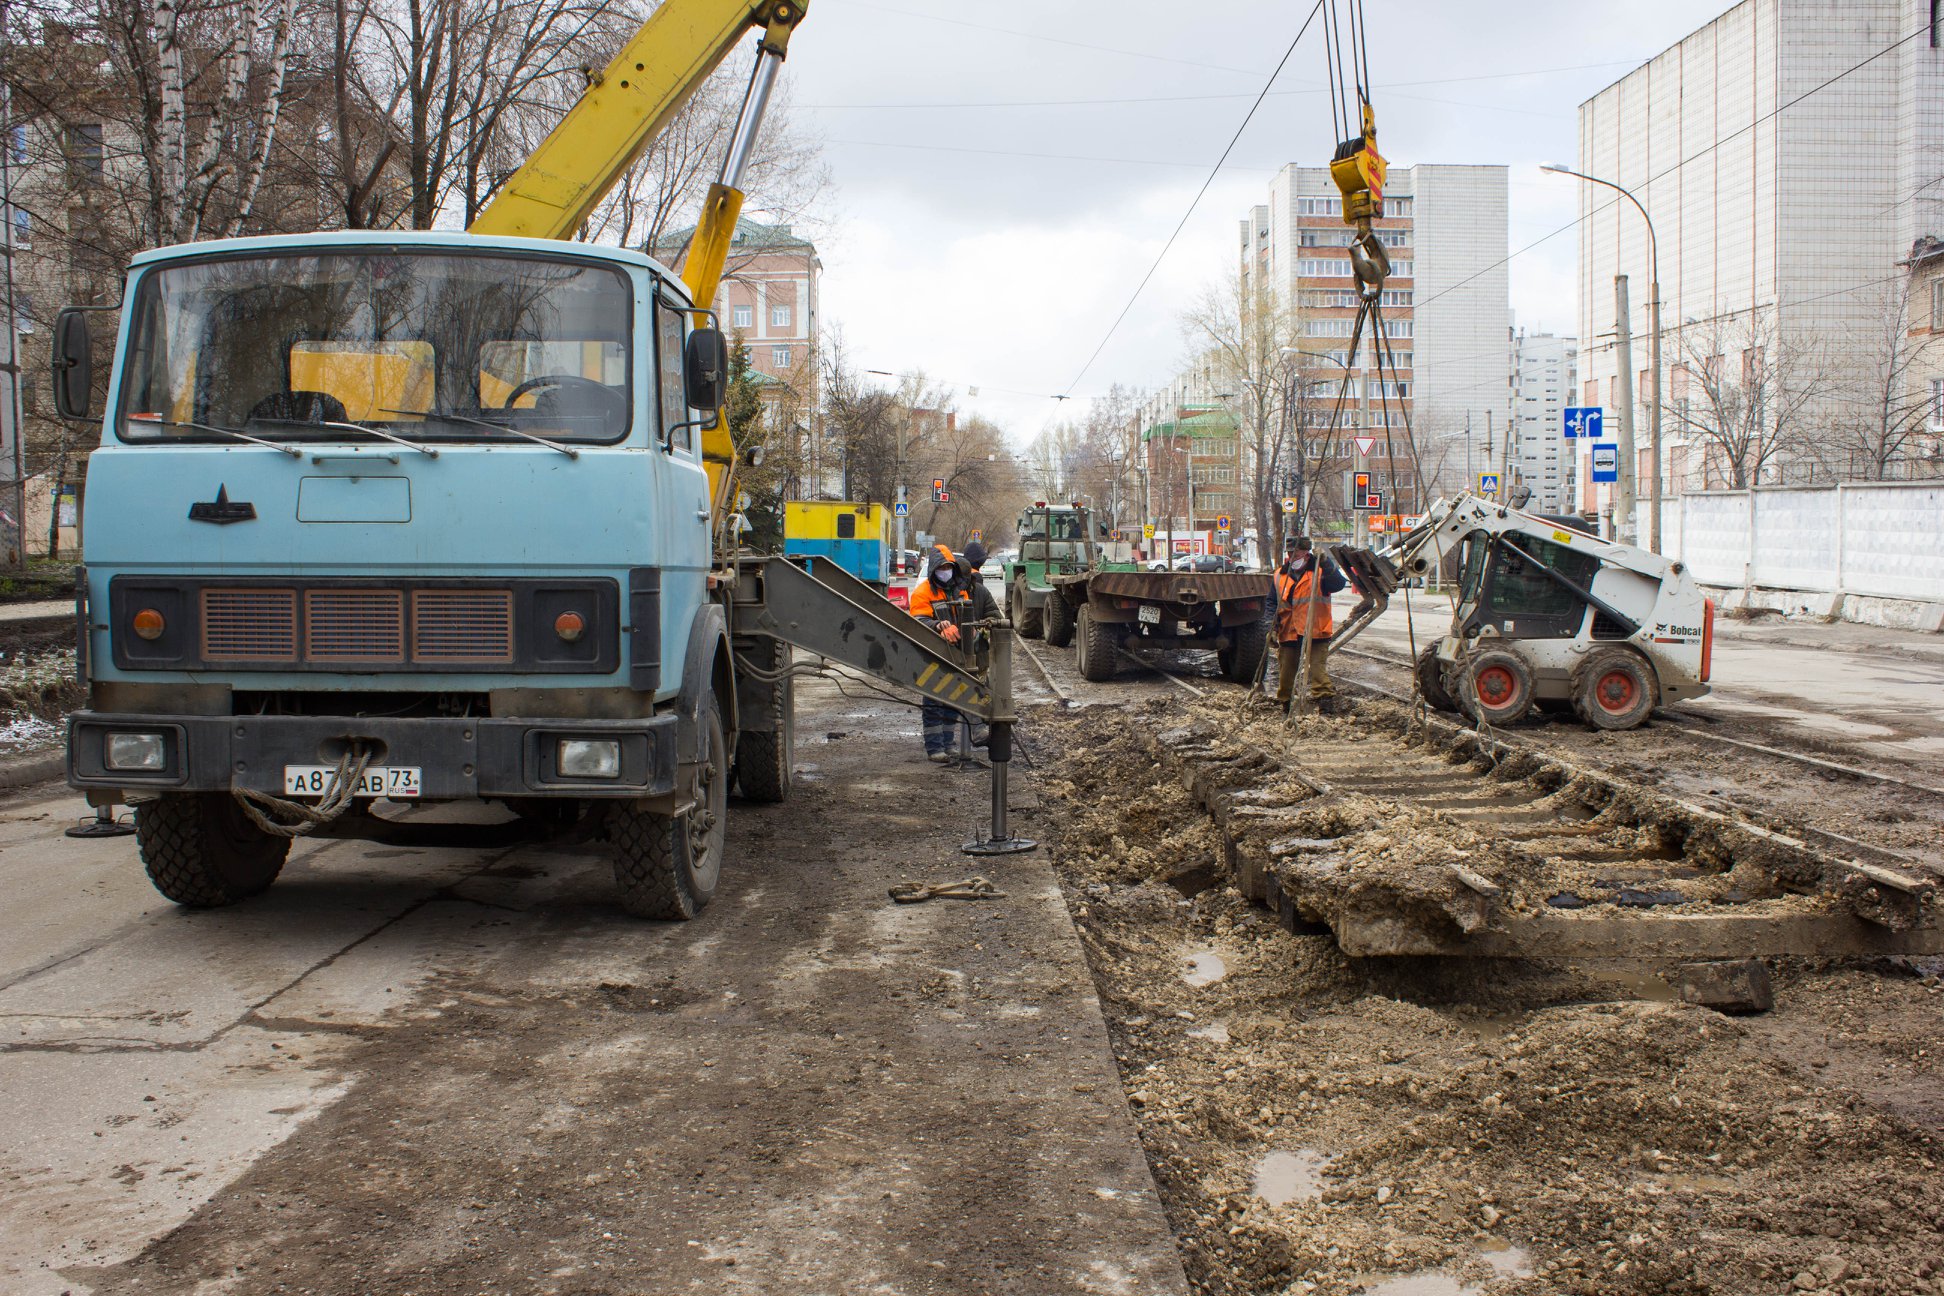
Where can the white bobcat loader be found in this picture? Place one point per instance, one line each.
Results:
(1545, 615)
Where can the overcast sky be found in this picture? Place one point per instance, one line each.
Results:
(1005, 173)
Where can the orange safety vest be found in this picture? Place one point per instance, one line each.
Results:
(1292, 599)
(926, 600)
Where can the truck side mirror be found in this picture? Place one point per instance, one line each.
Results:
(73, 365)
(705, 369)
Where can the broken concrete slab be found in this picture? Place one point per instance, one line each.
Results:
(1726, 985)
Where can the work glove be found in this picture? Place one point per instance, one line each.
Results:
(950, 631)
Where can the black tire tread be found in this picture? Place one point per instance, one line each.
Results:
(1058, 618)
(645, 867)
(1242, 659)
(1468, 694)
(1027, 620)
(1597, 663)
(1098, 646)
(183, 855)
(763, 757)
(1431, 682)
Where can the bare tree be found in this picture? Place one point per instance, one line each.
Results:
(1241, 331)
(1886, 405)
(1745, 392)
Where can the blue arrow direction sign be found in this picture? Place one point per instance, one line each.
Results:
(1606, 461)
(1583, 421)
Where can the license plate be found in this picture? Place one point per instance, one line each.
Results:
(1149, 613)
(401, 781)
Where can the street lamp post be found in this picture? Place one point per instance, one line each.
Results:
(1653, 358)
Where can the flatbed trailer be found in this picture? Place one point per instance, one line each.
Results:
(1103, 611)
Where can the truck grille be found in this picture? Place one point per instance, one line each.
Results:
(468, 626)
(357, 626)
(249, 624)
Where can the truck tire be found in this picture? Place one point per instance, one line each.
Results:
(1497, 687)
(764, 756)
(202, 851)
(1058, 618)
(1614, 688)
(1025, 619)
(667, 866)
(1097, 646)
(1431, 682)
(1242, 659)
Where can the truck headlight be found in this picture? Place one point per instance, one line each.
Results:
(135, 751)
(588, 758)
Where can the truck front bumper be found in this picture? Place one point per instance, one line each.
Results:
(459, 758)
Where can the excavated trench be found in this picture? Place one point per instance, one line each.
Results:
(1539, 1112)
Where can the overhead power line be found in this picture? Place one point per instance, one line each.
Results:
(1196, 201)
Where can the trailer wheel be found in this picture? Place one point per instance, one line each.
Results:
(1431, 681)
(764, 756)
(1497, 687)
(667, 866)
(1097, 645)
(1614, 688)
(1243, 657)
(1058, 617)
(1025, 619)
(202, 851)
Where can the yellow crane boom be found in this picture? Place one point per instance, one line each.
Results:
(626, 105)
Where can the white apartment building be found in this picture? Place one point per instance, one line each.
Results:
(1773, 200)
(1543, 385)
(1447, 302)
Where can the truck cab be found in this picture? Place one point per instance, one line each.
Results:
(427, 506)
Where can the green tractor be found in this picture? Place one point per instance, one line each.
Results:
(1054, 540)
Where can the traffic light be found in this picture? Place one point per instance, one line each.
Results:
(1360, 490)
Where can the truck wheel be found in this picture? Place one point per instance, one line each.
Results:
(1614, 689)
(1497, 687)
(1059, 620)
(202, 851)
(764, 757)
(1431, 681)
(1097, 645)
(667, 866)
(1243, 657)
(1025, 619)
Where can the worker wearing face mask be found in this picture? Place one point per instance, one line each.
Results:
(941, 599)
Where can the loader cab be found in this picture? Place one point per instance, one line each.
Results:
(1500, 585)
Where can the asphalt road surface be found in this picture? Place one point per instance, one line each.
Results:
(455, 1066)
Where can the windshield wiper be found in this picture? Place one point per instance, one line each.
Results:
(382, 435)
(569, 451)
(290, 450)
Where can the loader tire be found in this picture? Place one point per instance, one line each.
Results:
(1097, 646)
(1241, 661)
(1025, 619)
(1431, 682)
(668, 866)
(202, 851)
(1497, 687)
(1614, 688)
(764, 756)
(1058, 620)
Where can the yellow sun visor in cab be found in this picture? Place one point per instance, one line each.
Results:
(374, 380)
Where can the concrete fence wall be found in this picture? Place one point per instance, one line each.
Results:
(1862, 541)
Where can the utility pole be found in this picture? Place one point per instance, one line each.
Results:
(1623, 490)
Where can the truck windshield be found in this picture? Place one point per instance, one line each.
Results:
(431, 346)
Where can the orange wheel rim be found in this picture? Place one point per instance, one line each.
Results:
(1616, 691)
(1496, 685)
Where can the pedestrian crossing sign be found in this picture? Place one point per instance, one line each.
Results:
(1488, 483)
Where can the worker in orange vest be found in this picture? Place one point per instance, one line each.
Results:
(1297, 619)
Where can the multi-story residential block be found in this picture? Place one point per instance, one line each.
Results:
(1543, 385)
(770, 295)
(1445, 305)
(1788, 153)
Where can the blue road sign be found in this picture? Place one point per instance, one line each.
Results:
(1606, 461)
(904, 509)
(1488, 483)
(1584, 421)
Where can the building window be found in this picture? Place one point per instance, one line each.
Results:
(1937, 405)
(1397, 328)
(84, 150)
(1402, 269)
(779, 317)
(780, 357)
(23, 229)
(19, 145)
(1395, 207)
(1324, 268)
(1937, 299)
(742, 316)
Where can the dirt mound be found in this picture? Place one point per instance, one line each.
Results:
(1321, 1124)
